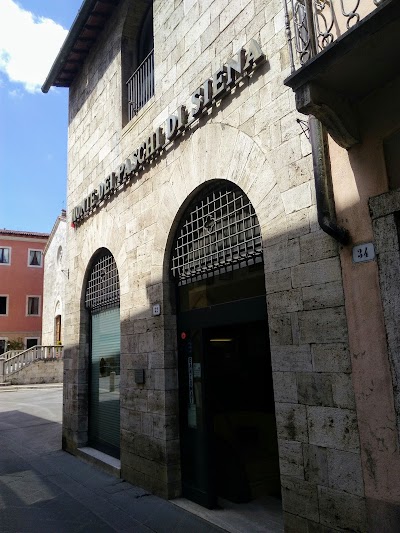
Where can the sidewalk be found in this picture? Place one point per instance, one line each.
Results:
(46, 490)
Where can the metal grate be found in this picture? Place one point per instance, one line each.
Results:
(102, 289)
(141, 85)
(219, 232)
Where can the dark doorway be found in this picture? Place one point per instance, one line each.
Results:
(227, 419)
(228, 431)
(241, 409)
(30, 343)
(58, 329)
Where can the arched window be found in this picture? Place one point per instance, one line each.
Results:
(218, 232)
(102, 301)
(102, 291)
(146, 37)
(57, 329)
(137, 59)
(224, 361)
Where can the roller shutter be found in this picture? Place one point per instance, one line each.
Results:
(104, 424)
(102, 301)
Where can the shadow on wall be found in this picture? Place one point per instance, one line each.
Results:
(124, 23)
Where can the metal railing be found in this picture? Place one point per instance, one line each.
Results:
(140, 85)
(15, 360)
(312, 25)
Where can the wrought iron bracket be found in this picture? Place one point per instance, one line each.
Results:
(304, 128)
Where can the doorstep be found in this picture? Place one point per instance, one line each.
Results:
(109, 464)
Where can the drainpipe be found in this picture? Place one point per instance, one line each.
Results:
(323, 183)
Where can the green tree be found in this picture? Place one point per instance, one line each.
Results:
(15, 344)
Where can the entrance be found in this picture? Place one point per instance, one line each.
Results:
(102, 301)
(227, 419)
(228, 432)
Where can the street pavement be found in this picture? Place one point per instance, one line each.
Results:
(46, 490)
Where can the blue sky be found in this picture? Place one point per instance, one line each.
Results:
(33, 125)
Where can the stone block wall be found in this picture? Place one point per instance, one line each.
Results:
(252, 139)
(55, 277)
(42, 371)
(385, 210)
(315, 407)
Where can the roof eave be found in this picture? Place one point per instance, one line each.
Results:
(76, 28)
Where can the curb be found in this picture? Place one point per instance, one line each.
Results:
(5, 387)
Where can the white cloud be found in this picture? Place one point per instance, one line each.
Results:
(16, 93)
(28, 45)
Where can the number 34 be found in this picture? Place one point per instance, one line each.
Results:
(362, 253)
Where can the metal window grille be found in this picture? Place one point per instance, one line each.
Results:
(219, 232)
(102, 289)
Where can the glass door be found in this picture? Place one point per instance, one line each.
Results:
(104, 415)
(197, 463)
(199, 383)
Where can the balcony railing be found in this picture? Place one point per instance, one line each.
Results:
(15, 360)
(141, 85)
(312, 25)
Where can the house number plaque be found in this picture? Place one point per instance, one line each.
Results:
(363, 252)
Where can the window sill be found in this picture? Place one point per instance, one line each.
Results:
(137, 118)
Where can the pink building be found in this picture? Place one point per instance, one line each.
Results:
(21, 287)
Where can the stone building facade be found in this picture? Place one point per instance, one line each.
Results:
(129, 195)
(55, 277)
(354, 95)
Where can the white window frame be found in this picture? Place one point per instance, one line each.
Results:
(9, 256)
(6, 340)
(41, 257)
(27, 304)
(7, 303)
(31, 338)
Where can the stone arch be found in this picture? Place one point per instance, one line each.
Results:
(242, 162)
(100, 233)
(57, 307)
(226, 154)
(89, 266)
(98, 238)
(101, 301)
